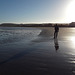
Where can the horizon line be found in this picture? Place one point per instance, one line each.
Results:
(36, 23)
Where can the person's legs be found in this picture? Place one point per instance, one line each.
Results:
(56, 34)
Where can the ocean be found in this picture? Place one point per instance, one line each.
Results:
(34, 51)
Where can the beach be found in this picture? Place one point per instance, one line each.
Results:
(34, 51)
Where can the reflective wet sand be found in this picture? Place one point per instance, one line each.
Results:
(33, 51)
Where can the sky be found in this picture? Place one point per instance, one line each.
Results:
(37, 11)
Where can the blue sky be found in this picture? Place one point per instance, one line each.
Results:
(33, 11)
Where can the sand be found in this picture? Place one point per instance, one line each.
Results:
(33, 51)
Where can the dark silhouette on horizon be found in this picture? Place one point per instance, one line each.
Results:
(56, 28)
(72, 24)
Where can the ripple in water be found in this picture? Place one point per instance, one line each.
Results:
(14, 35)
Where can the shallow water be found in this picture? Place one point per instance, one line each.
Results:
(25, 51)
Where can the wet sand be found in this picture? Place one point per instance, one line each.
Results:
(38, 54)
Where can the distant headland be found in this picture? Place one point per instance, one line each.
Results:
(38, 25)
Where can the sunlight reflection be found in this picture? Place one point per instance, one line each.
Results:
(72, 62)
(73, 40)
(72, 43)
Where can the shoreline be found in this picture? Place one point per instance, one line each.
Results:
(37, 53)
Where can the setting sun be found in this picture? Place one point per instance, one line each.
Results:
(70, 12)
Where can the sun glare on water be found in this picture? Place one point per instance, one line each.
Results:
(72, 39)
(70, 12)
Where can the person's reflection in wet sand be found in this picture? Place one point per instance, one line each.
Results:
(56, 44)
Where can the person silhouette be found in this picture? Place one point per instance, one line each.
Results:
(56, 45)
(56, 28)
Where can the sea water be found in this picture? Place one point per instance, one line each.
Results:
(27, 50)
